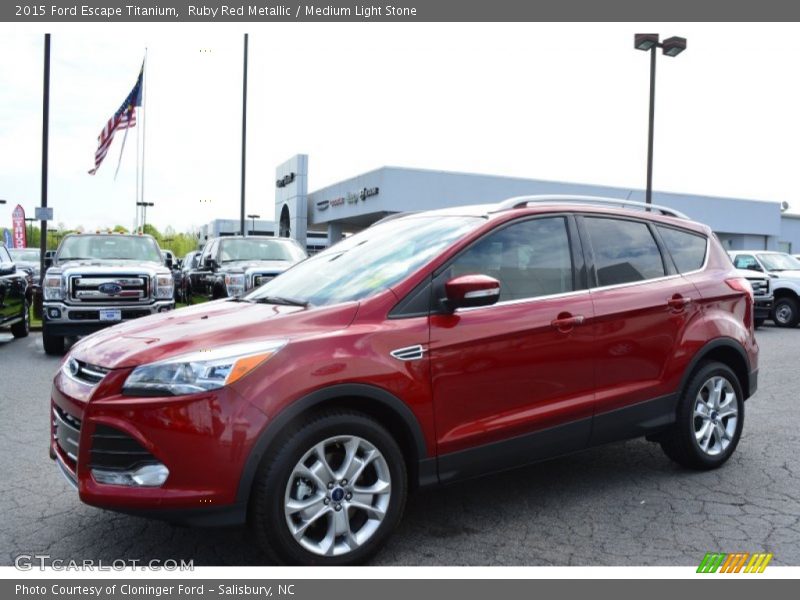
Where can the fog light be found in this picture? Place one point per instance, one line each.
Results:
(144, 476)
(54, 313)
(163, 309)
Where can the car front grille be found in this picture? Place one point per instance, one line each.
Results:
(109, 289)
(67, 433)
(760, 287)
(86, 373)
(262, 278)
(113, 449)
(94, 315)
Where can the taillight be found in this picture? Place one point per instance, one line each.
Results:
(740, 284)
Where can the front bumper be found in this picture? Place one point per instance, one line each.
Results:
(68, 319)
(203, 439)
(762, 306)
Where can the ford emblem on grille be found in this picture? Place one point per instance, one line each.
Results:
(112, 289)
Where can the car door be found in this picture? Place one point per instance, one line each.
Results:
(642, 307)
(513, 382)
(201, 276)
(12, 288)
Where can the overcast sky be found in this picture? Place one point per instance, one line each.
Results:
(551, 101)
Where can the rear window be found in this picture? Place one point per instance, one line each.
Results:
(624, 251)
(688, 250)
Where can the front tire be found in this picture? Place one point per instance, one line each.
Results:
(53, 344)
(22, 328)
(786, 312)
(332, 492)
(709, 419)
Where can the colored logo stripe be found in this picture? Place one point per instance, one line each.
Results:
(733, 563)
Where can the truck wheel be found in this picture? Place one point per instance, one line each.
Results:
(709, 419)
(758, 323)
(331, 492)
(53, 344)
(786, 313)
(21, 329)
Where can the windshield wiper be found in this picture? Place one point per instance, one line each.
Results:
(280, 300)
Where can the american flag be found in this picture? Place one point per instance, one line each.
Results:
(124, 118)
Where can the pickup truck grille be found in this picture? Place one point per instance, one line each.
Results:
(109, 289)
(262, 278)
(760, 287)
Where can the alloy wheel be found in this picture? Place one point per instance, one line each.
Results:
(716, 413)
(337, 495)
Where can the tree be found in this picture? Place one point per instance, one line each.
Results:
(120, 229)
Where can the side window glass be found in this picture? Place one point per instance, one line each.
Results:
(746, 261)
(530, 258)
(687, 249)
(624, 251)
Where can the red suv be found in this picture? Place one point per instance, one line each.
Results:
(428, 348)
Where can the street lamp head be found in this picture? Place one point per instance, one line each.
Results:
(253, 216)
(645, 41)
(673, 46)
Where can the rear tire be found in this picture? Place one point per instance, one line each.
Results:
(343, 522)
(53, 344)
(786, 312)
(22, 328)
(709, 419)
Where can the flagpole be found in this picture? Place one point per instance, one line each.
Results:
(136, 200)
(144, 129)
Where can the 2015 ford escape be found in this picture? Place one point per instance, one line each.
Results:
(427, 348)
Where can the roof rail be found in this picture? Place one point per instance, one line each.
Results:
(523, 201)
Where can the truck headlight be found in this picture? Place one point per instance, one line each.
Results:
(53, 287)
(234, 284)
(165, 288)
(199, 371)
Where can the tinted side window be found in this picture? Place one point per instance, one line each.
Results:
(624, 251)
(746, 261)
(687, 249)
(529, 259)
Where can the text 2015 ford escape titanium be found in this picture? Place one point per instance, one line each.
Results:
(427, 348)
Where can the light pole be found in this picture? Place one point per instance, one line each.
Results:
(670, 47)
(144, 206)
(253, 225)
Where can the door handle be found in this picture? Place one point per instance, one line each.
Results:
(678, 302)
(565, 321)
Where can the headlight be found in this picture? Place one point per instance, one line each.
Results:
(165, 288)
(234, 284)
(53, 287)
(199, 371)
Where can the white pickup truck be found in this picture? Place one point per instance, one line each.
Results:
(784, 273)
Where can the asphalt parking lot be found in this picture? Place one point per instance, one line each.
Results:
(622, 504)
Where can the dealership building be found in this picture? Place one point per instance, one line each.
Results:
(320, 217)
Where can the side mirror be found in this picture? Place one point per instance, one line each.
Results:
(8, 268)
(168, 261)
(471, 290)
(48, 262)
(210, 263)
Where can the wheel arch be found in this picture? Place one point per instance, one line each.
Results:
(783, 292)
(727, 351)
(383, 406)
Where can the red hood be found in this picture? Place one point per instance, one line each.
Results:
(214, 324)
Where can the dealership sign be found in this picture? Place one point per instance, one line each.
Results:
(285, 180)
(351, 198)
(18, 223)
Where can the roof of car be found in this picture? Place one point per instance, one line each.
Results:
(545, 204)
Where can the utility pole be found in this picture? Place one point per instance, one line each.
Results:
(244, 134)
(45, 138)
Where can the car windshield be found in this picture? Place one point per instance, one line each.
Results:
(24, 254)
(367, 262)
(260, 249)
(779, 262)
(109, 247)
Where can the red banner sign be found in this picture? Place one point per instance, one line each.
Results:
(18, 220)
